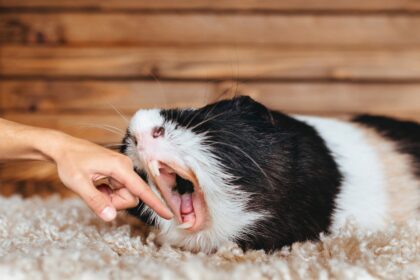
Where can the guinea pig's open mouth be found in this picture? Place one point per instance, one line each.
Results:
(181, 192)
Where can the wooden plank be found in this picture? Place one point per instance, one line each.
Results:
(94, 127)
(79, 117)
(28, 178)
(127, 96)
(29, 188)
(220, 5)
(57, 101)
(210, 29)
(28, 170)
(399, 100)
(212, 62)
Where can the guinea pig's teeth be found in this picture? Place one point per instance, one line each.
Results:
(186, 225)
(154, 168)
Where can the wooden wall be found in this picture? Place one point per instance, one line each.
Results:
(71, 64)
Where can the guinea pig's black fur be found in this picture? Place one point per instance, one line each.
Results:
(281, 162)
(286, 170)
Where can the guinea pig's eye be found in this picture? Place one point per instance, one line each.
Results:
(158, 131)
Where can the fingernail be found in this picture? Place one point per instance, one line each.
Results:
(108, 214)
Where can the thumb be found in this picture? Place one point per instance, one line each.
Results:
(99, 202)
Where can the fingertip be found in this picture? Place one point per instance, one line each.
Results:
(142, 190)
(167, 214)
(152, 200)
(108, 214)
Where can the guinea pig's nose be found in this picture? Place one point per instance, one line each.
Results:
(146, 140)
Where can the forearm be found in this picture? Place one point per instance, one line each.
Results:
(26, 142)
(79, 163)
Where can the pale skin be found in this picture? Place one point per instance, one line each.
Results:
(80, 164)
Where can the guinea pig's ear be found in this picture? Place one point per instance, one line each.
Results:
(244, 101)
(246, 104)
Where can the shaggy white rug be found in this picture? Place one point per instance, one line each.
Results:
(62, 239)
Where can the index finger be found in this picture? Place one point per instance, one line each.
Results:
(139, 188)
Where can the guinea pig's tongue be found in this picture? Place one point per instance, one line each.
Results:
(181, 205)
(187, 210)
(186, 204)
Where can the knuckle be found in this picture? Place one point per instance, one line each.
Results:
(124, 161)
(133, 201)
(95, 201)
(131, 204)
(78, 178)
(128, 162)
(136, 201)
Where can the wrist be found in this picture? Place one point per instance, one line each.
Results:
(24, 142)
(50, 144)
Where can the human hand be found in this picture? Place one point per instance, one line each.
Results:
(81, 163)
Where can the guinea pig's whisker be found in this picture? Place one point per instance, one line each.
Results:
(197, 113)
(114, 129)
(212, 132)
(237, 71)
(208, 119)
(212, 109)
(119, 113)
(161, 89)
(245, 154)
(192, 118)
(113, 145)
(106, 127)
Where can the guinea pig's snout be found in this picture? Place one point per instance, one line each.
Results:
(180, 190)
(145, 141)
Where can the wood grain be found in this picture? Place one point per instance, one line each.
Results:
(211, 62)
(28, 178)
(221, 5)
(66, 64)
(91, 96)
(87, 116)
(54, 103)
(28, 170)
(94, 127)
(210, 29)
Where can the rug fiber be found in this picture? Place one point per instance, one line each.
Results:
(61, 239)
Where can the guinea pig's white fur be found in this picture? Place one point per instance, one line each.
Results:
(363, 195)
(366, 196)
(226, 206)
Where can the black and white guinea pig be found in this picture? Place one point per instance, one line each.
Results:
(237, 171)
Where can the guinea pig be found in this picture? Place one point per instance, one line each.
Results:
(237, 171)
